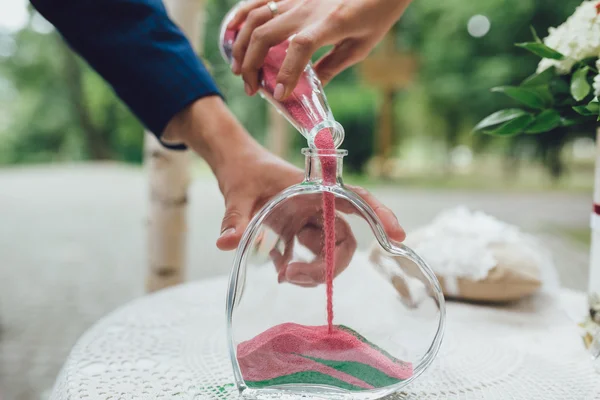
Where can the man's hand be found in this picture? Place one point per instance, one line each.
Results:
(249, 176)
(352, 27)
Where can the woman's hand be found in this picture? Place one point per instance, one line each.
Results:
(353, 27)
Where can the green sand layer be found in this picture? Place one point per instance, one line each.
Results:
(307, 377)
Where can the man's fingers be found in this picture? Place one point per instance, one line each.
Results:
(311, 237)
(281, 261)
(237, 215)
(388, 218)
(306, 274)
(313, 273)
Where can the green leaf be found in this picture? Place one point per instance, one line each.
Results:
(527, 96)
(544, 122)
(574, 121)
(583, 110)
(560, 86)
(594, 105)
(592, 108)
(538, 79)
(541, 50)
(499, 117)
(587, 62)
(580, 87)
(512, 127)
(535, 35)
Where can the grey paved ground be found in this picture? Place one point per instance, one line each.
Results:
(72, 249)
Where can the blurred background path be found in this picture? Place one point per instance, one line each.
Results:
(72, 249)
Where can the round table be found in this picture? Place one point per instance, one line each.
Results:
(171, 344)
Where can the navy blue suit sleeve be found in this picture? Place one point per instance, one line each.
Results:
(138, 50)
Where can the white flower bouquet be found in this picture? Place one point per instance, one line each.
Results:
(563, 94)
(564, 91)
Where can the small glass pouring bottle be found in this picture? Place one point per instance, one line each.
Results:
(306, 108)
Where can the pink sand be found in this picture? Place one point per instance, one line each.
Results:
(324, 141)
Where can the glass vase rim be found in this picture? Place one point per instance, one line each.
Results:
(314, 152)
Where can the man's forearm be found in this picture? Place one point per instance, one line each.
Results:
(211, 130)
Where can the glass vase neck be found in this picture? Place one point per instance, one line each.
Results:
(315, 159)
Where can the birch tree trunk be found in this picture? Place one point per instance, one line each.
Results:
(169, 178)
(278, 135)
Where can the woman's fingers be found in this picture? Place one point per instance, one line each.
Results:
(242, 12)
(254, 19)
(342, 56)
(256, 42)
(302, 47)
(261, 29)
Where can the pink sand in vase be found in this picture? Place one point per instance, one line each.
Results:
(297, 354)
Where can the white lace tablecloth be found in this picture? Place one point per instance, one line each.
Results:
(172, 345)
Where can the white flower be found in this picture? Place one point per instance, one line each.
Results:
(576, 39)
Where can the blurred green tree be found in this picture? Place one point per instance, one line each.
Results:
(458, 69)
(59, 109)
(55, 108)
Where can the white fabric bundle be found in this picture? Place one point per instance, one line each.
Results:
(476, 256)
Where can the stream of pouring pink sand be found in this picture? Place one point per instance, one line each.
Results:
(323, 142)
(297, 354)
(308, 118)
